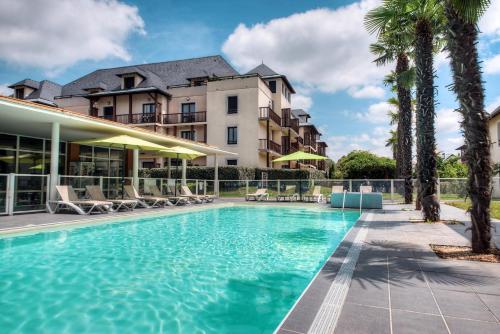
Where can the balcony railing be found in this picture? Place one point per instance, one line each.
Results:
(268, 113)
(273, 146)
(292, 123)
(139, 118)
(300, 140)
(192, 117)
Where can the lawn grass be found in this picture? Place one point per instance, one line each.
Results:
(494, 207)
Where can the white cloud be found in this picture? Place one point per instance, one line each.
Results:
(322, 49)
(489, 24)
(449, 145)
(492, 65)
(4, 90)
(367, 92)
(373, 141)
(55, 34)
(376, 113)
(493, 105)
(302, 102)
(447, 120)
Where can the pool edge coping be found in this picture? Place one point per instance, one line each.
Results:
(336, 259)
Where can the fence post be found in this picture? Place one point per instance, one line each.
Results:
(392, 190)
(279, 187)
(246, 187)
(205, 187)
(350, 185)
(196, 185)
(48, 190)
(11, 184)
(161, 186)
(439, 189)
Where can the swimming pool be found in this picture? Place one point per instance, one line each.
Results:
(234, 269)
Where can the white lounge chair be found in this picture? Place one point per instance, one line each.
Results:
(335, 190)
(69, 200)
(186, 193)
(146, 201)
(259, 195)
(290, 194)
(176, 200)
(314, 196)
(95, 193)
(365, 189)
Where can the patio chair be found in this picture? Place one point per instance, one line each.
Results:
(186, 192)
(314, 196)
(69, 200)
(290, 194)
(95, 193)
(176, 200)
(146, 201)
(258, 195)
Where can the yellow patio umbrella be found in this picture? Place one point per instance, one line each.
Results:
(180, 152)
(124, 142)
(300, 156)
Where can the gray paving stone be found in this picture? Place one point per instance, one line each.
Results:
(407, 278)
(461, 326)
(492, 302)
(417, 323)
(413, 299)
(371, 290)
(446, 281)
(358, 319)
(462, 305)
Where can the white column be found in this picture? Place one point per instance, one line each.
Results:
(184, 172)
(54, 160)
(216, 175)
(135, 168)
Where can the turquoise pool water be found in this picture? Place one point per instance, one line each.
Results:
(225, 270)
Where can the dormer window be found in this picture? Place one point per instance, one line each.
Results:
(128, 82)
(19, 93)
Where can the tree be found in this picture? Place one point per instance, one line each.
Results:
(392, 142)
(363, 164)
(424, 20)
(394, 45)
(451, 167)
(462, 35)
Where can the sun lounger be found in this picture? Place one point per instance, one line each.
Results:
(365, 189)
(95, 193)
(146, 201)
(69, 200)
(259, 195)
(314, 196)
(290, 194)
(176, 200)
(186, 193)
(335, 190)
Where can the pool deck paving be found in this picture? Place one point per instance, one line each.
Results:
(383, 277)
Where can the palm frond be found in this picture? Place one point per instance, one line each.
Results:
(470, 10)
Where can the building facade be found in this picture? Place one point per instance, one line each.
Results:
(202, 99)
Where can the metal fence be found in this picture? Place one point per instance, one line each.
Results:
(21, 193)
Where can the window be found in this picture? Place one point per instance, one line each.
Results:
(232, 104)
(108, 112)
(128, 82)
(232, 162)
(232, 135)
(188, 110)
(197, 82)
(148, 164)
(19, 93)
(187, 135)
(272, 86)
(148, 108)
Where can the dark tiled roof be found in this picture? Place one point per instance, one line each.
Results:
(26, 82)
(159, 75)
(46, 91)
(263, 70)
(299, 112)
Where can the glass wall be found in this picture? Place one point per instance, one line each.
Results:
(97, 161)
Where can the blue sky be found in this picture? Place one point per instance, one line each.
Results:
(320, 45)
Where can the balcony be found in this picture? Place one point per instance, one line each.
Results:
(300, 140)
(291, 123)
(266, 113)
(180, 118)
(273, 146)
(139, 118)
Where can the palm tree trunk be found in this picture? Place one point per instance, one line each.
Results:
(404, 128)
(425, 121)
(462, 40)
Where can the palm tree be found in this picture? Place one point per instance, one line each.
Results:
(392, 142)
(394, 45)
(422, 19)
(461, 34)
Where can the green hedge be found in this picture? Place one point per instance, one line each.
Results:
(232, 173)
